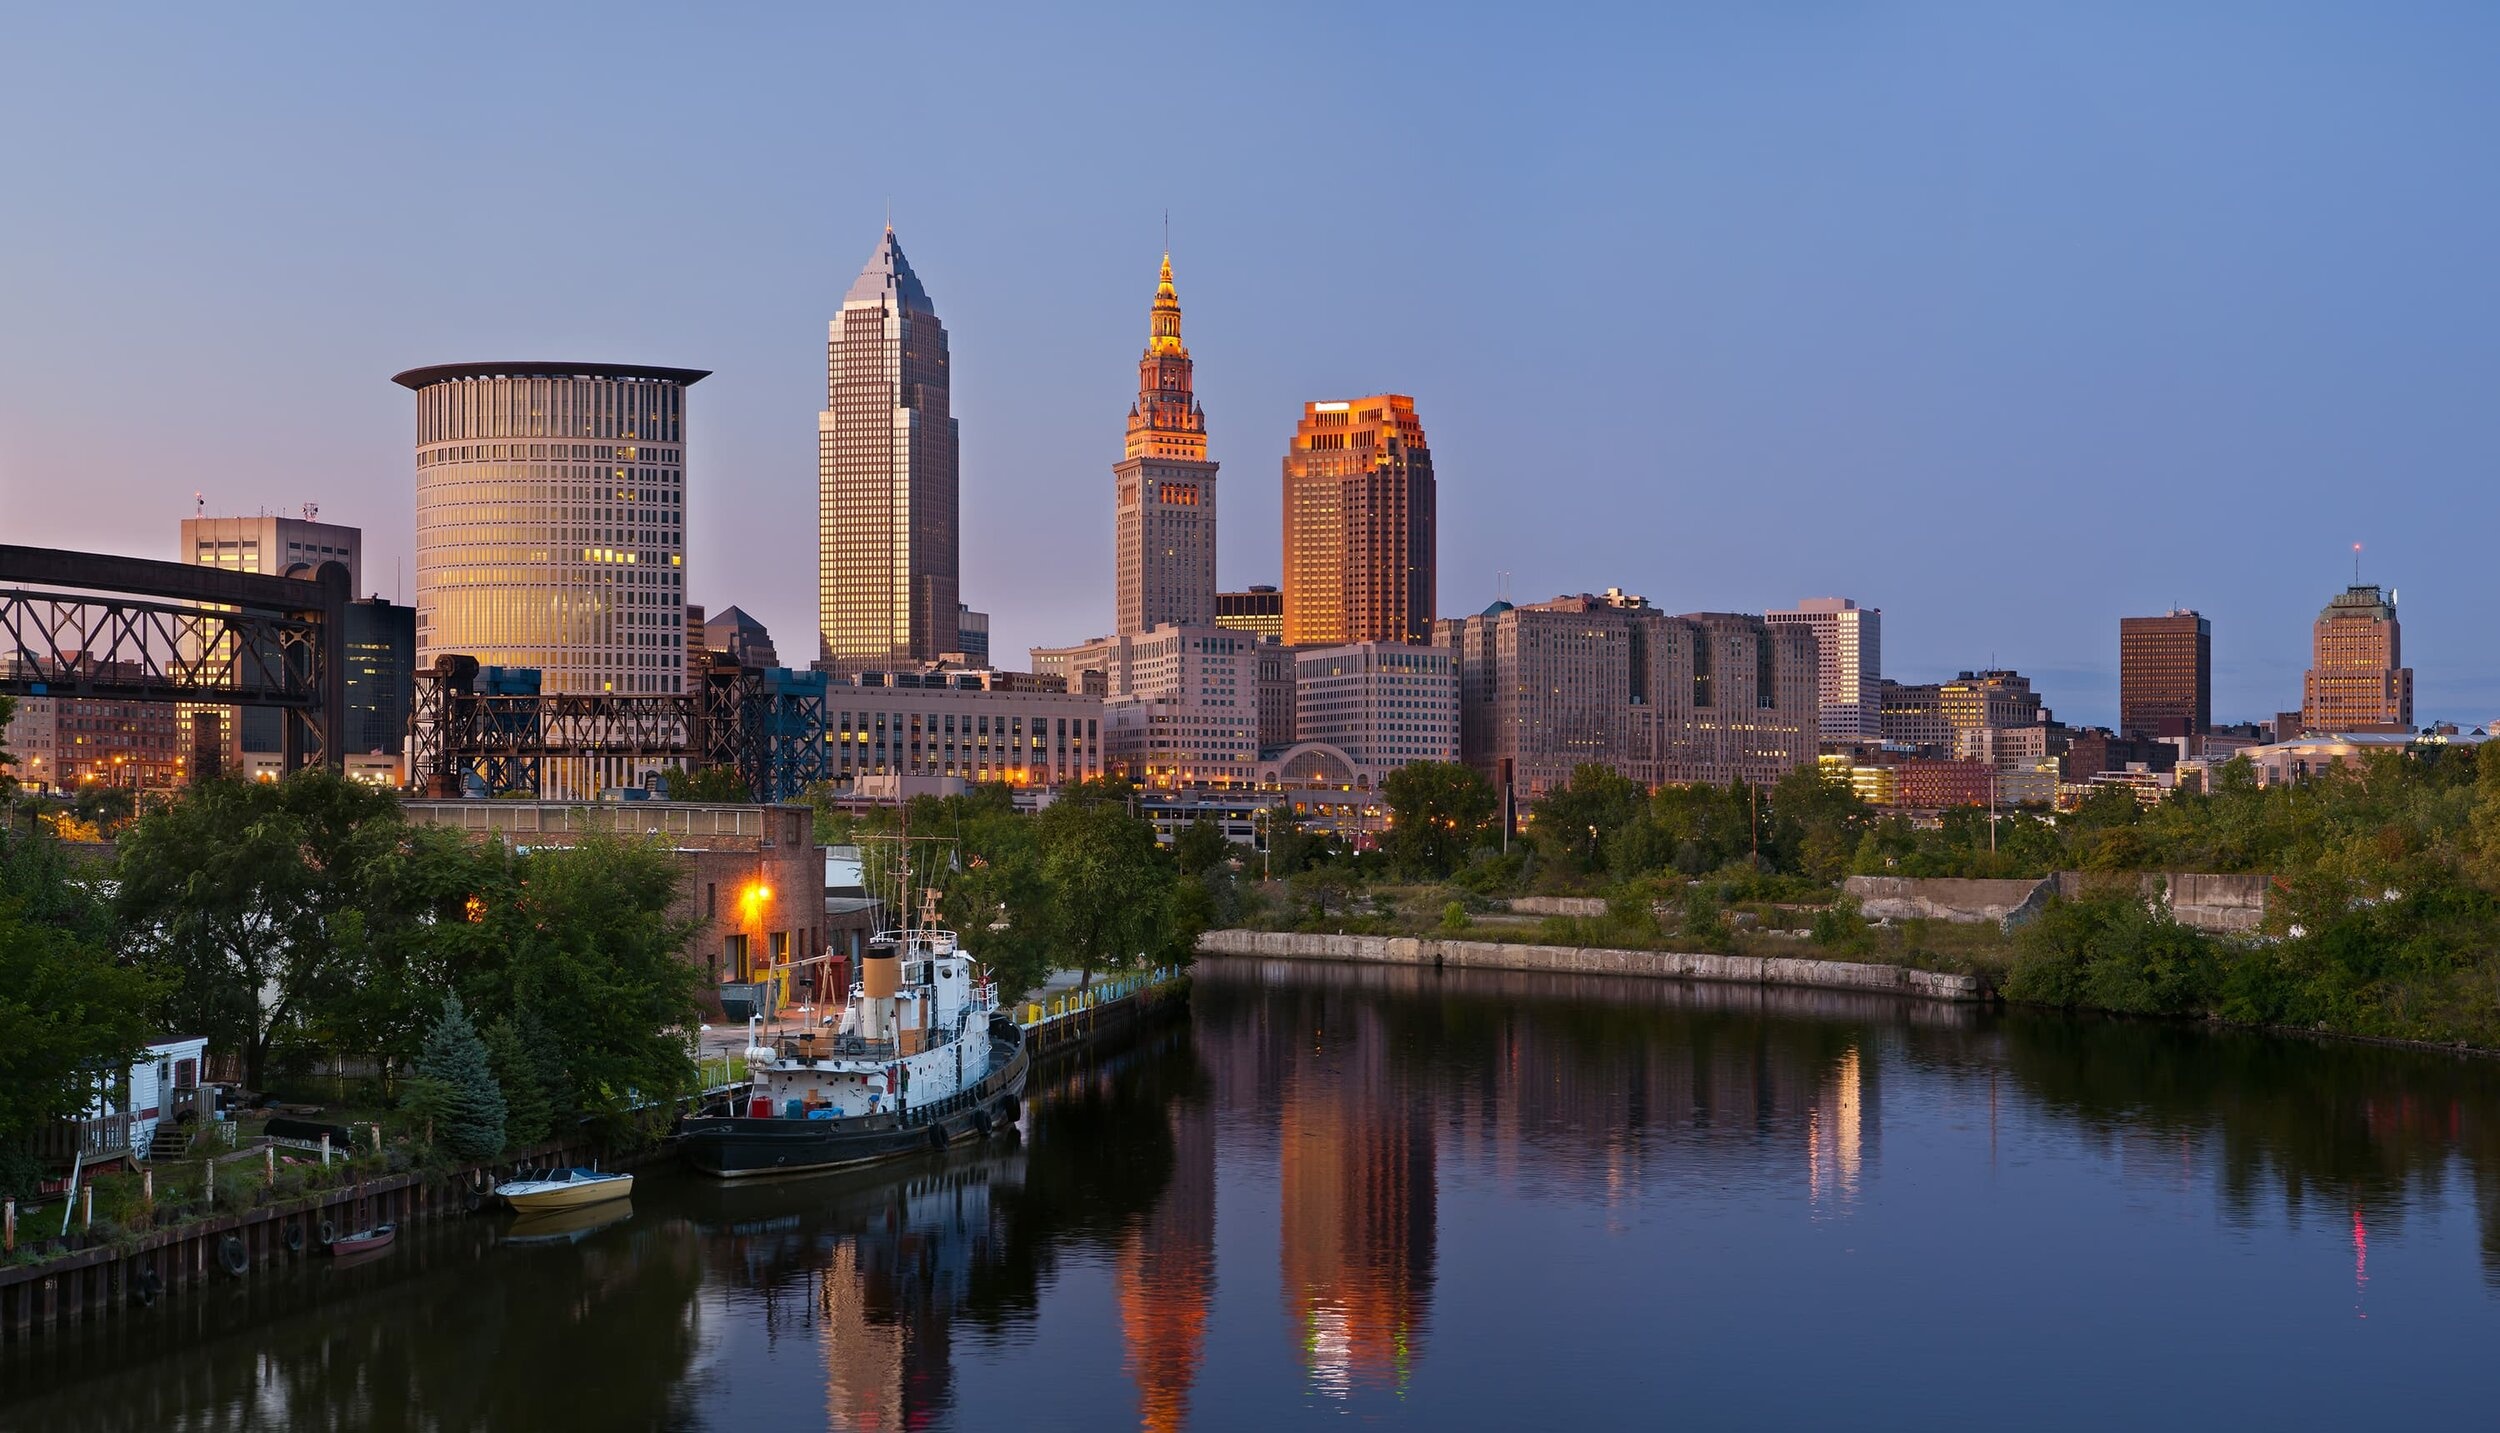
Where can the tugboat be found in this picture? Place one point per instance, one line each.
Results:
(922, 1057)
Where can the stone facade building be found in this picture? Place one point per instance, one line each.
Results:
(2357, 678)
(1384, 704)
(1163, 524)
(974, 726)
(1708, 697)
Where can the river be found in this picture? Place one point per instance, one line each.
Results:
(1465, 1200)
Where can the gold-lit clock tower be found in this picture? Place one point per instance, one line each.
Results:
(1165, 526)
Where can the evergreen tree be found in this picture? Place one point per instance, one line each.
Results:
(454, 1088)
(528, 1108)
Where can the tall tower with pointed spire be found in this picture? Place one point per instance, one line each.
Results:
(1164, 527)
(888, 497)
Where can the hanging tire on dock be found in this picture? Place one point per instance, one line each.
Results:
(294, 1236)
(146, 1285)
(231, 1254)
(329, 1232)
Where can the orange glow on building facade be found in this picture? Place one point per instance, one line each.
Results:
(1360, 530)
(1166, 1278)
(2357, 676)
(1164, 519)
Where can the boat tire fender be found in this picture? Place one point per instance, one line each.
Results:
(236, 1259)
(1009, 1110)
(329, 1232)
(937, 1135)
(981, 1122)
(294, 1236)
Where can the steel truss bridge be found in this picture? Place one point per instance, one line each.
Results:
(493, 727)
(132, 629)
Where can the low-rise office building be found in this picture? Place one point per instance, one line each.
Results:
(973, 726)
(1385, 704)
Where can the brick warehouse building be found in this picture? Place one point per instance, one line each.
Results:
(754, 876)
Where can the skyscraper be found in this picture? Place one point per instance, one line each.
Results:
(1359, 524)
(551, 521)
(1850, 647)
(2357, 676)
(1164, 525)
(888, 575)
(2165, 675)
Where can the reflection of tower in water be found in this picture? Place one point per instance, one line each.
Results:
(1356, 1146)
(863, 1355)
(1166, 1276)
(1836, 1134)
(887, 1298)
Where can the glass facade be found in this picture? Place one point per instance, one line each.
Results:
(888, 574)
(551, 522)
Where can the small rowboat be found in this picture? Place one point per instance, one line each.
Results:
(363, 1241)
(564, 1189)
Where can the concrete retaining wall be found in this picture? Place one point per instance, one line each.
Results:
(1669, 965)
(2222, 905)
(1969, 902)
(1558, 905)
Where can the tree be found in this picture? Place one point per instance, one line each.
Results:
(720, 784)
(250, 897)
(1438, 812)
(68, 1014)
(591, 947)
(1815, 825)
(454, 1089)
(1575, 819)
(528, 1103)
(1109, 883)
(999, 904)
(1200, 847)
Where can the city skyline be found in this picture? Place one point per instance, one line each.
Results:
(2141, 313)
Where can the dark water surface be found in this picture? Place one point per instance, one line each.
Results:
(1468, 1200)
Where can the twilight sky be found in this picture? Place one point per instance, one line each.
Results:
(2008, 319)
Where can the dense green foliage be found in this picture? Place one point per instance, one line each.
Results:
(257, 900)
(529, 1078)
(710, 783)
(582, 938)
(1438, 812)
(453, 1088)
(302, 918)
(1081, 885)
(2384, 917)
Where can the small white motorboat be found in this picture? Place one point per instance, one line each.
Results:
(564, 1189)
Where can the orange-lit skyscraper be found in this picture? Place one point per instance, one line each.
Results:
(2357, 676)
(1359, 524)
(1164, 530)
